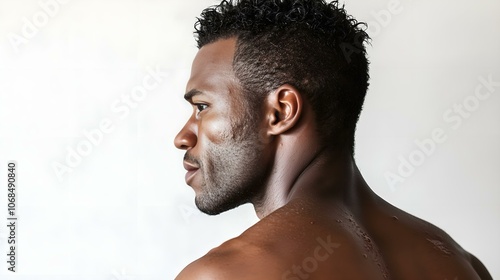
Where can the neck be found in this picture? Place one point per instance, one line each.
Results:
(308, 172)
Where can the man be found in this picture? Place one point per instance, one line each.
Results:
(277, 88)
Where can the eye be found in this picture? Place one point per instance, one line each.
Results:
(200, 107)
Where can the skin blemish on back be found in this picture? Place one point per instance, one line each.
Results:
(440, 246)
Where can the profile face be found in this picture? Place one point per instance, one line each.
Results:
(224, 157)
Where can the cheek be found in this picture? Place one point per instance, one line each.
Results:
(215, 131)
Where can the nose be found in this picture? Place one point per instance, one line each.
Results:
(186, 138)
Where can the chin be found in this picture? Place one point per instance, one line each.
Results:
(212, 207)
(212, 211)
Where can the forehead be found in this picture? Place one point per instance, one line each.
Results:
(212, 69)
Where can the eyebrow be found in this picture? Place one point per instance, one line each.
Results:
(192, 93)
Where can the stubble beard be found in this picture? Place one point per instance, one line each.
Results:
(232, 173)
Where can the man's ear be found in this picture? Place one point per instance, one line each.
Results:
(283, 109)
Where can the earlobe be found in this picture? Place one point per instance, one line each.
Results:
(284, 108)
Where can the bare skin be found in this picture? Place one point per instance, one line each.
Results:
(318, 217)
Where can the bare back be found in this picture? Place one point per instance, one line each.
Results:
(302, 241)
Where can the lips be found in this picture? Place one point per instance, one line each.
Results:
(191, 171)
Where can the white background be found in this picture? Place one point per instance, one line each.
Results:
(124, 211)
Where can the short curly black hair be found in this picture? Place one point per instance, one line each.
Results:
(312, 45)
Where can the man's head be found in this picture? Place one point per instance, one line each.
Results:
(310, 44)
(310, 52)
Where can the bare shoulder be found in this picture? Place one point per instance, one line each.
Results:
(289, 245)
(419, 242)
(456, 257)
(234, 259)
(480, 268)
(333, 256)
